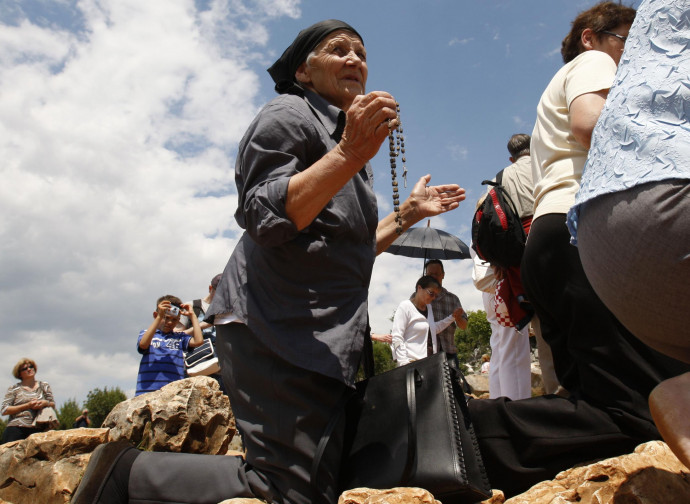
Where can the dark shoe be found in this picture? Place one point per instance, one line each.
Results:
(101, 465)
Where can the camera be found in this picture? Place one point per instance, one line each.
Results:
(173, 311)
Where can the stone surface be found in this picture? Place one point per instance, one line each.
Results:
(650, 475)
(46, 467)
(497, 497)
(392, 496)
(189, 416)
(479, 383)
(537, 381)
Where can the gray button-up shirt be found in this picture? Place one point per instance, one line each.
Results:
(303, 293)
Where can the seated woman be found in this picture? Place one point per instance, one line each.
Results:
(23, 401)
(414, 328)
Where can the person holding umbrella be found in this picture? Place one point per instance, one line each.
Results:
(445, 304)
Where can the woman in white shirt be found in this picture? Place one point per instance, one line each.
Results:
(414, 328)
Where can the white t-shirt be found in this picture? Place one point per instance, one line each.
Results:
(557, 158)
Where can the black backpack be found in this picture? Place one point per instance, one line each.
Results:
(497, 233)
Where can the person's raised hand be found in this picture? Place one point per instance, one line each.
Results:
(163, 308)
(186, 310)
(433, 200)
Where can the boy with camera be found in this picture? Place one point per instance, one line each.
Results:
(162, 348)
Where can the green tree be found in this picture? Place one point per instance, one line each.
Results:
(473, 341)
(383, 360)
(101, 402)
(383, 357)
(3, 424)
(68, 412)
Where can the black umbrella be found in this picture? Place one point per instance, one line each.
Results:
(429, 243)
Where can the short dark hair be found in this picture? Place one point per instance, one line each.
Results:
(216, 280)
(427, 281)
(604, 16)
(174, 300)
(433, 261)
(518, 145)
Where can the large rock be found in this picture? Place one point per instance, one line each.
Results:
(650, 475)
(189, 416)
(392, 496)
(46, 467)
(479, 383)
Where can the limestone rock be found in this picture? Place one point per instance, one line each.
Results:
(392, 496)
(190, 416)
(479, 383)
(537, 381)
(497, 497)
(650, 475)
(46, 467)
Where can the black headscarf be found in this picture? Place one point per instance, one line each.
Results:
(283, 70)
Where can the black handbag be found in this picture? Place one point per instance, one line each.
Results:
(411, 427)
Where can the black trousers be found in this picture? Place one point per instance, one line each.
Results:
(281, 412)
(608, 372)
(14, 433)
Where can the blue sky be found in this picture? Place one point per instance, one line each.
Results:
(119, 123)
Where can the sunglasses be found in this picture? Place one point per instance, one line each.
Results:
(622, 38)
(26, 368)
(431, 293)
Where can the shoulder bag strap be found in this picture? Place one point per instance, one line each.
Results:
(196, 306)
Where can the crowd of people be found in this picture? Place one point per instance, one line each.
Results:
(291, 339)
(177, 328)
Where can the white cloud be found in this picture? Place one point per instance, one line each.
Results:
(118, 181)
(457, 41)
(457, 152)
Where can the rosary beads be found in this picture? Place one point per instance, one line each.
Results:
(396, 146)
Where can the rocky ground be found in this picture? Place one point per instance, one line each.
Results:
(193, 416)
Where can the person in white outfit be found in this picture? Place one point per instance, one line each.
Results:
(510, 372)
(414, 328)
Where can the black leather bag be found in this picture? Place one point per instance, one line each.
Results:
(411, 427)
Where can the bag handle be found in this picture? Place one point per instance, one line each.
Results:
(411, 378)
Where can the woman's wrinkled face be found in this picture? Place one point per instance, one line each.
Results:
(610, 43)
(336, 69)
